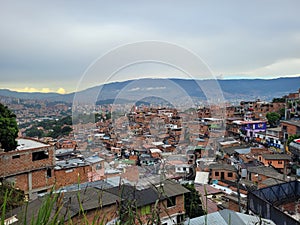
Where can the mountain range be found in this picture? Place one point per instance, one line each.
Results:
(168, 89)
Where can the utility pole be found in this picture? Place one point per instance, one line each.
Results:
(238, 190)
(285, 109)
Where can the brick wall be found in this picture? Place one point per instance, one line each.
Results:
(276, 163)
(21, 181)
(39, 180)
(216, 174)
(42, 179)
(232, 205)
(104, 215)
(178, 208)
(258, 178)
(69, 176)
(290, 129)
(163, 210)
(11, 162)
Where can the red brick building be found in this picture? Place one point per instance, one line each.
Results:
(166, 200)
(33, 169)
(223, 172)
(290, 127)
(30, 167)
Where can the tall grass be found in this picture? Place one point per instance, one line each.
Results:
(3, 207)
(45, 213)
(55, 210)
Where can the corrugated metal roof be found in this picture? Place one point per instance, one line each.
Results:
(94, 159)
(277, 156)
(171, 188)
(243, 150)
(227, 217)
(133, 196)
(90, 198)
(150, 193)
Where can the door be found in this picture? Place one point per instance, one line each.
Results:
(222, 176)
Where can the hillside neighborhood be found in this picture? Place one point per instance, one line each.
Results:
(145, 159)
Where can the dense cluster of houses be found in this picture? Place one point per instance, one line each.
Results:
(225, 158)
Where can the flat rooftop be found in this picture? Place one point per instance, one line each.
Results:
(25, 144)
(292, 122)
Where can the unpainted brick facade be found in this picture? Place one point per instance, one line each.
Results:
(103, 215)
(290, 129)
(73, 175)
(32, 170)
(219, 174)
(163, 210)
(20, 161)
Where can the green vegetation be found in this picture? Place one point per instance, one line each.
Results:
(276, 100)
(273, 118)
(34, 132)
(45, 214)
(292, 137)
(59, 131)
(55, 209)
(53, 212)
(282, 112)
(8, 129)
(91, 117)
(10, 197)
(51, 128)
(192, 202)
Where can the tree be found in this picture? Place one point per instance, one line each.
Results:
(8, 129)
(273, 118)
(282, 112)
(291, 138)
(58, 131)
(66, 121)
(192, 202)
(282, 100)
(34, 132)
(66, 130)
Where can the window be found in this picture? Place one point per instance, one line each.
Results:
(171, 201)
(217, 174)
(40, 155)
(184, 168)
(98, 166)
(230, 174)
(49, 173)
(180, 218)
(42, 191)
(145, 210)
(16, 156)
(279, 162)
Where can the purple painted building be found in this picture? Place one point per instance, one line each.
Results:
(248, 129)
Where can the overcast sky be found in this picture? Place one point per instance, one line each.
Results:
(47, 46)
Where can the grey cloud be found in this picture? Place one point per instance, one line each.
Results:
(61, 38)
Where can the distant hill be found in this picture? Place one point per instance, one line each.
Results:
(138, 90)
(37, 95)
(27, 95)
